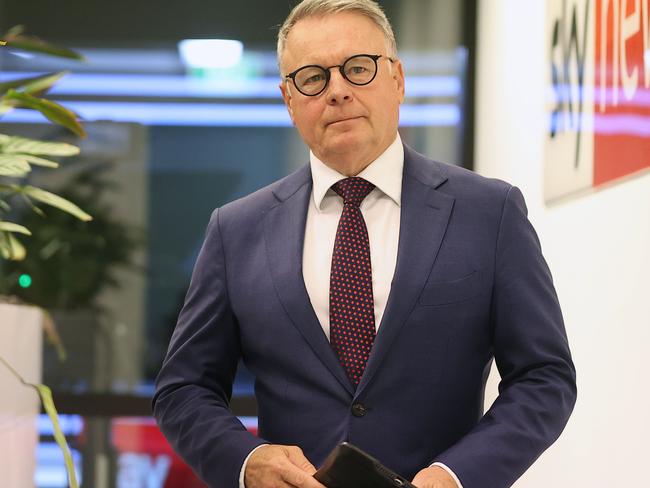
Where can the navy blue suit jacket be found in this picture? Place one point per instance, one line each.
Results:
(470, 285)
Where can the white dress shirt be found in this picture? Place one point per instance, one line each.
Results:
(381, 212)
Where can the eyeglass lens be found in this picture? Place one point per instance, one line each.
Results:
(359, 70)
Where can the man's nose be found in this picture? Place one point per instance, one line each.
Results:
(339, 90)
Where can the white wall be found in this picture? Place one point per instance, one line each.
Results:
(598, 248)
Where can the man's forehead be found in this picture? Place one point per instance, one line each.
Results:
(341, 23)
(332, 38)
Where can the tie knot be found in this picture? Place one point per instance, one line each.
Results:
(353, 190)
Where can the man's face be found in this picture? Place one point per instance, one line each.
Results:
(346, 126)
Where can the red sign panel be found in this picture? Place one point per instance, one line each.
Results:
(622, 89)
(145, 458)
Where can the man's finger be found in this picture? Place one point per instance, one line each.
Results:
(303, 469)
(297, 458)
(299, 478)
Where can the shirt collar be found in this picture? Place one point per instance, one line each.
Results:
(385, 173)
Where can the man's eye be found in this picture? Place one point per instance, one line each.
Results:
(357, 70)
(314, 79)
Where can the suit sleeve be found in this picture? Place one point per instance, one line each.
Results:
(194, 386)
(537, 391)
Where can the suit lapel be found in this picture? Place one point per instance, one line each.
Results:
(425, 214)
(284, 230)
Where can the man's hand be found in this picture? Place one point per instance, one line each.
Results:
(434, 477)
(276, 466)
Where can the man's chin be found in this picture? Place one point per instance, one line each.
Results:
(344, 142)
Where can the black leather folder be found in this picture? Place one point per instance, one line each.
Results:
(348, 466)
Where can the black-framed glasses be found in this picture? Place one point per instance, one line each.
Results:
(360, 69)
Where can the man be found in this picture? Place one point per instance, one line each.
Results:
(368, 293)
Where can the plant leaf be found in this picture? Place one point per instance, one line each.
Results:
(16, 39)
(45, 395)
(33, 84)
(30, 204)
(13, 165)
(55, 201)
(48, 403)
(35, 160)
(5, 107)
(16, 30)
(11, 248)
(52, 334)
(11, 227)
(20, 145)
(52, 110)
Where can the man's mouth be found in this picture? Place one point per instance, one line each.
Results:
(345, 119)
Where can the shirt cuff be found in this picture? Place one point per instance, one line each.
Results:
(243, 466)
(446, 468)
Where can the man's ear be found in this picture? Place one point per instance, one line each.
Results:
(398, 76)
(286, 96)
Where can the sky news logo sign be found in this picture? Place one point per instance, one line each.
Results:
(599, 93)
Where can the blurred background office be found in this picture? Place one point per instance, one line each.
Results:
(183, 113)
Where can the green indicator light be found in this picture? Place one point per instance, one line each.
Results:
(25, 281)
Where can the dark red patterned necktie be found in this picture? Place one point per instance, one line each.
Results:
(352, 312)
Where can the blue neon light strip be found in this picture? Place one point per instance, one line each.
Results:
(221, 115)
(179, 86)
(71, 425)
(622, 124)
(50, 468)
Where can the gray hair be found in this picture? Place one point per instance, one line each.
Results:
(309, 8)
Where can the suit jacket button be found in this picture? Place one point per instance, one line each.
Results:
(358, 410)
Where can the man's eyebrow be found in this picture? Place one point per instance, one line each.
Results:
(342, 59)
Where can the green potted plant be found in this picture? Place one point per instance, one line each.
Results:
(20, 325)
(71, 266)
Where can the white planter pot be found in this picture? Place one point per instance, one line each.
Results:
(21, 345)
